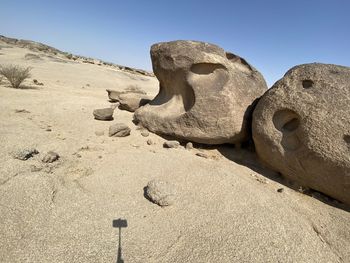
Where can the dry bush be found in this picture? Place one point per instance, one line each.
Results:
(15, 74)
(30, 56)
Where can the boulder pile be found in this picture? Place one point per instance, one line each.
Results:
(300, 127)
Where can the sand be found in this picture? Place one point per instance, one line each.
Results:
(228, 207)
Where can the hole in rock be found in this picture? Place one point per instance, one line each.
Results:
(307, 83)
(347, 139)
(286, 120)
(206, 68)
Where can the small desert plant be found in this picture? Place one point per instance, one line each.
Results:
(15, 74)
(69, 56)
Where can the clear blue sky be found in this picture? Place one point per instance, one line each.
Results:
(273, 35)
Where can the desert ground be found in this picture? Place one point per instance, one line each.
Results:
(228, 209)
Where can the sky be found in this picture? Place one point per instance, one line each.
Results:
(272, 35)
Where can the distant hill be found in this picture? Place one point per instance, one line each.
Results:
(36, 46)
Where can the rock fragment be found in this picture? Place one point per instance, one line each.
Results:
(132, 101)
(50, 157)
(189, 146)
(25, 154)
(145, 133)
(119, 130)
(161, 192)
(105, 114)
(171, 144)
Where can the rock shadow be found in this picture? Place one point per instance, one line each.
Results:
(120, 223)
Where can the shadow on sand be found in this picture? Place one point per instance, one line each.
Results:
(247, 157)
(120, 223)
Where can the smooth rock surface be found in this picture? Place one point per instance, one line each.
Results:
(205, 96)
(301, 128)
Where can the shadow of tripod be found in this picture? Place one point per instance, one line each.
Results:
(120, 223)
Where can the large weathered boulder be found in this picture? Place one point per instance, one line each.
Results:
(205, 94)
(301, 128)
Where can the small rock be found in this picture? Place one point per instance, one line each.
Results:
(119, 130)
(261, 180)
(280, 190)
(25, 154)
(50, 157)
(132, 101)
(204, 155)
(36, 82)
(34, 168)
(48, 130)
(161, 193)
(78, 155)
(150, 142)
(105, 114)
(113, 95)
(22, 111)
(189, 145)
(145, 133)
(99, 133)
(171, 144)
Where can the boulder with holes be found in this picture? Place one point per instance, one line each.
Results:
(206, 94)
(301, 128)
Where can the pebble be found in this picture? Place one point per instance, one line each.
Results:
(189, 145)
(145, 133)
(203, 155)
(50, 157)
(171, 144)
(25, 154)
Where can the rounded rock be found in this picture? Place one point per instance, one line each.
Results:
(161, 192)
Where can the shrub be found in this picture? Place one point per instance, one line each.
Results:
(15, 74)
(69, 56)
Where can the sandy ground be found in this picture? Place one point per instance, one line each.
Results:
(64, 211)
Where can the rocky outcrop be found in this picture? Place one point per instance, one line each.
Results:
(206, 94)
(301, 128)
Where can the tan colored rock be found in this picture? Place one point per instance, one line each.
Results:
(301, 128)
(105, 114)
(161, 192)
(132, 101)
(119, 130)
(205, 93)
